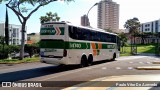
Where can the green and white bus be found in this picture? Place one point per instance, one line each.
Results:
(64, 43)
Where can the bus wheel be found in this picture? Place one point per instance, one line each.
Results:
(90, 59)
(84, 62)
(114, 56)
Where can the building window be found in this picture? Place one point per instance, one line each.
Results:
(15, 32)
(147, 29)
(14, 41)
(147, 25)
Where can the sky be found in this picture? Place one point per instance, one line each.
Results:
(144, 10)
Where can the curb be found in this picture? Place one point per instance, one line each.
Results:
(148, 68)
(156, 62)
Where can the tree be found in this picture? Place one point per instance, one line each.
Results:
(2, 39)
(123, 39)
(19, 7)
(133, 26)
(6, 28)
(49, 17)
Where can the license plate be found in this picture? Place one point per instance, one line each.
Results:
(50, 50)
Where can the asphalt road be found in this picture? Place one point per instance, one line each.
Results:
(44, 72)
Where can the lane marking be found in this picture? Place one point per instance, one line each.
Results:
(148, 63)
(130, 62)
(141, 62)
(118, 68)
(104, 68)
(88, 68)
(130, 68)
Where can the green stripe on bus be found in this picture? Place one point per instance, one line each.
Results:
(52, 31)
(77, 45)
(108, 46)
(72, 45)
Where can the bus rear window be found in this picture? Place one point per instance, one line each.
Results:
(49, 43)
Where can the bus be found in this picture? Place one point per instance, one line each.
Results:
(63, 43)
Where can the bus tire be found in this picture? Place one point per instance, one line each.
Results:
(90, 59)
(84, 62)
(114, 56)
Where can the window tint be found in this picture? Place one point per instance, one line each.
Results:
(86, 34)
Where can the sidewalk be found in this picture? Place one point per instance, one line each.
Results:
(138, 55)
(148, 68)
(146, 54)
(124, 82)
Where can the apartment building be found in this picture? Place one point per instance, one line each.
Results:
(108, 15)
(153, 26)
(85, 21)
(14, 33)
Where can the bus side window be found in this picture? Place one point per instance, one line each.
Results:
(98, 36)
(75, 32)
(88, 35)
(91, 35)
(104, 37)
(71, 32)
(109, 38)
(84, 34)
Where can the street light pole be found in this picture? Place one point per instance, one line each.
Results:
(90, 10)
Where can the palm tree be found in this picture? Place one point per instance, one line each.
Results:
(133, 26)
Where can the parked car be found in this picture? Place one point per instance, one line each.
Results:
(17, 55)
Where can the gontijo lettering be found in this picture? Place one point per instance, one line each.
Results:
(75, 45)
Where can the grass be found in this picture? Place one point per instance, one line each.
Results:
(148, 48)
(16, 61)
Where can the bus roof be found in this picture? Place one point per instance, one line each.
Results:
(68, 23)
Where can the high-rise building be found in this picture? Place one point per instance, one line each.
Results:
(85, 21)
(108, 15)
(14, 33)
